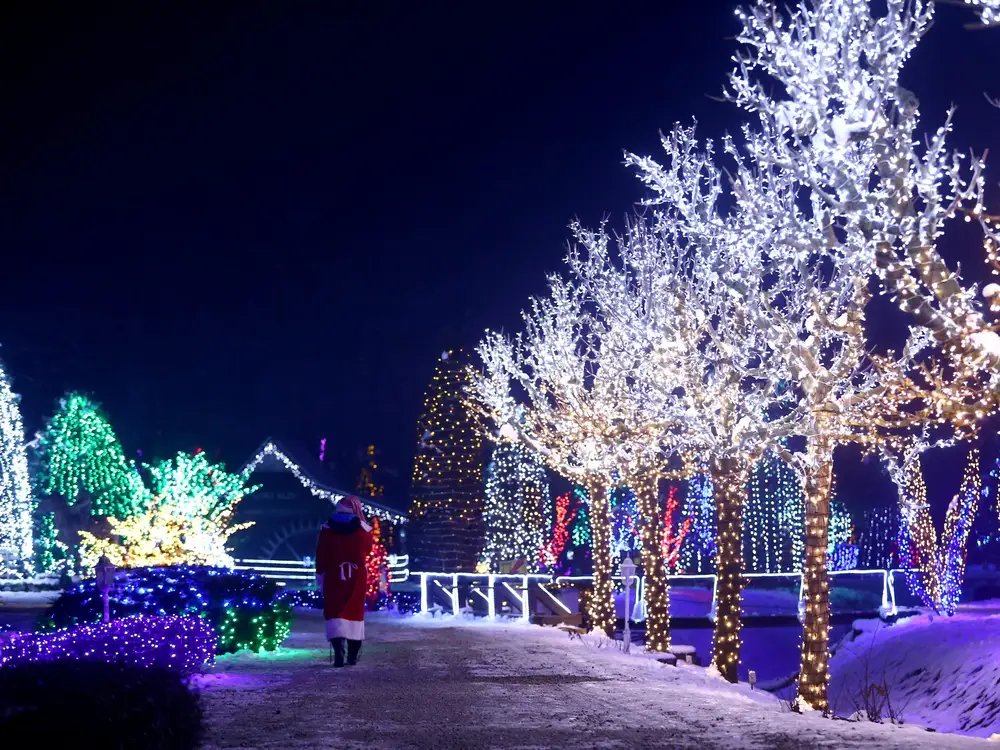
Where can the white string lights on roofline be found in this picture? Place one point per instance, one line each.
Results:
(270, 449)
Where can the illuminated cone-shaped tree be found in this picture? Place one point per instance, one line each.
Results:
(82, 462)
(447, 491)
(518, 507)
(15, 490)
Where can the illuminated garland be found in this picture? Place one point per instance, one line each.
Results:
(366, 481)
(517, 507)
(447, 490)
(553, 549)
(81, 458)
(270, 449)
(773, 532)
(178, 643)
(189, 520)
(15, 490)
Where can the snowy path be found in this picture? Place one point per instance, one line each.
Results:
(430, 685)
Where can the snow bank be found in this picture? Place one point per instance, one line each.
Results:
(942, 672)
(28, 598)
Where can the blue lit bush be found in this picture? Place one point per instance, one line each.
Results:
(244, 609)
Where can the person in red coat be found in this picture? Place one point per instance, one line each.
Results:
(343, 546)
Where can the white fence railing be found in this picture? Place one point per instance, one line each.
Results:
(475, 587)
(300, 573)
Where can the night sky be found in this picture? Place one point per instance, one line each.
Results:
(270, 218)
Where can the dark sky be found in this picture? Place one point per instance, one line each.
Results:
(227, 220)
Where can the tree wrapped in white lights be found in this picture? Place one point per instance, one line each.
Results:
(849, 134)
(706, 360)
(15, 488)
(588, 416)
(754, 335)
(518, 507)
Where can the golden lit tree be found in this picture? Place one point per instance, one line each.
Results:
(447, 491)
(189, 519)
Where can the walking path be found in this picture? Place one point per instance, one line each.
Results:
(430, 685)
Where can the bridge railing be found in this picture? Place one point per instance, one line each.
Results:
(302, 573)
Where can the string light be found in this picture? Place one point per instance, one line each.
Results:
(80, 455)
(15, 490)
(553, 549)
(188, 521)
(51, 555)
(270, 449)
(375, 565)
(581, 526)
(698, 549)
(179, 643)
(518, 508)
(244, 610)
(673, 534)
(941, 567)
(447, 490)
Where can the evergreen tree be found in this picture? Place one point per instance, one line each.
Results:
(15, 490)
(447, 492)
(518, 507)
(82, 462)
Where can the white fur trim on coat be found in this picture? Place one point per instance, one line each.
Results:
(352, 630)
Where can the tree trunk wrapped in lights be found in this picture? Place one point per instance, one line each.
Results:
(601, 601)
(729, 477)
(657, 588)
(814, 674)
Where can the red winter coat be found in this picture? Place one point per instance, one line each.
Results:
(343, 546)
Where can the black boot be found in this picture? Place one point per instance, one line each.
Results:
(338, 651)
(353, 651)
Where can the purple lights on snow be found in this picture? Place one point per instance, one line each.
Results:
(176, 642)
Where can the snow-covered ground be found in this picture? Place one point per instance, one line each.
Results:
(14, 599)
(942, 672)
(438, 683)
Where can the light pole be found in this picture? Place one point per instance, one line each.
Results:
(628, 570)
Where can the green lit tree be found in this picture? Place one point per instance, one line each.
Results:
(82, 462)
